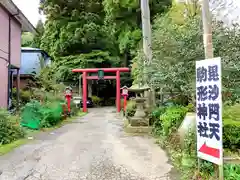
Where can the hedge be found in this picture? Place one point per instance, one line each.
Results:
(10, 129)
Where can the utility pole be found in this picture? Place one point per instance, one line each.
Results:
(207, 28)
(147, 46)
(146, 32)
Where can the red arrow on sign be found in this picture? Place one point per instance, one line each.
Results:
(210, 151)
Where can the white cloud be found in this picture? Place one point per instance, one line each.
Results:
(30, 10)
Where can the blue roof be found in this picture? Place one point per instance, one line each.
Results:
(23, 49)
(30, 49)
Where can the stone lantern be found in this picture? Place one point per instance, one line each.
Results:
(140, 117)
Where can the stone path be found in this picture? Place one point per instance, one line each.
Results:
(91, 148)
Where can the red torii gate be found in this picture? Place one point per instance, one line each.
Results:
(85, 77)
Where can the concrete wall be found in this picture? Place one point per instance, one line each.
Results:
(15, 43)
(4, 51)
(4, 57)
(3, 35)
(3, 84)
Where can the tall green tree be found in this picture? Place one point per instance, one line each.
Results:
(123, 19)
(33, 40)
(178, 44)
(75, 35)
(27, 39)
(93, 33)
(38, 36)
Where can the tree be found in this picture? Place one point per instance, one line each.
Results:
(33, 40)
(124, 23)
(27, 39)
(177, 44)
(39, 34)
(101, 29)
(75, 36)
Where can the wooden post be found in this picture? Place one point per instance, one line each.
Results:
(221, 172)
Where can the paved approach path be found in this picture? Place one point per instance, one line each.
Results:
(93, 147)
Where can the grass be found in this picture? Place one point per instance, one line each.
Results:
(4, 149)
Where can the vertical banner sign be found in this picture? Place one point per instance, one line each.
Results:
(209, 110)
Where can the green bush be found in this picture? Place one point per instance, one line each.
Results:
(96, 101)
(170, 120)
(74, 109)
(9, 128)
(51, 114)
(35, 115)
(154, 116)
(231, 171)
(231, 138)
(131, 108)
(31, 115)
(191, 107)
(42, 95)
(231, 128)
(110, 101)
(25, 96)
(179, 100)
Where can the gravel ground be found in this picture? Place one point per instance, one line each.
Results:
(93, 147)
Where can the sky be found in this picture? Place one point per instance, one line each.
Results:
(29, 9)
